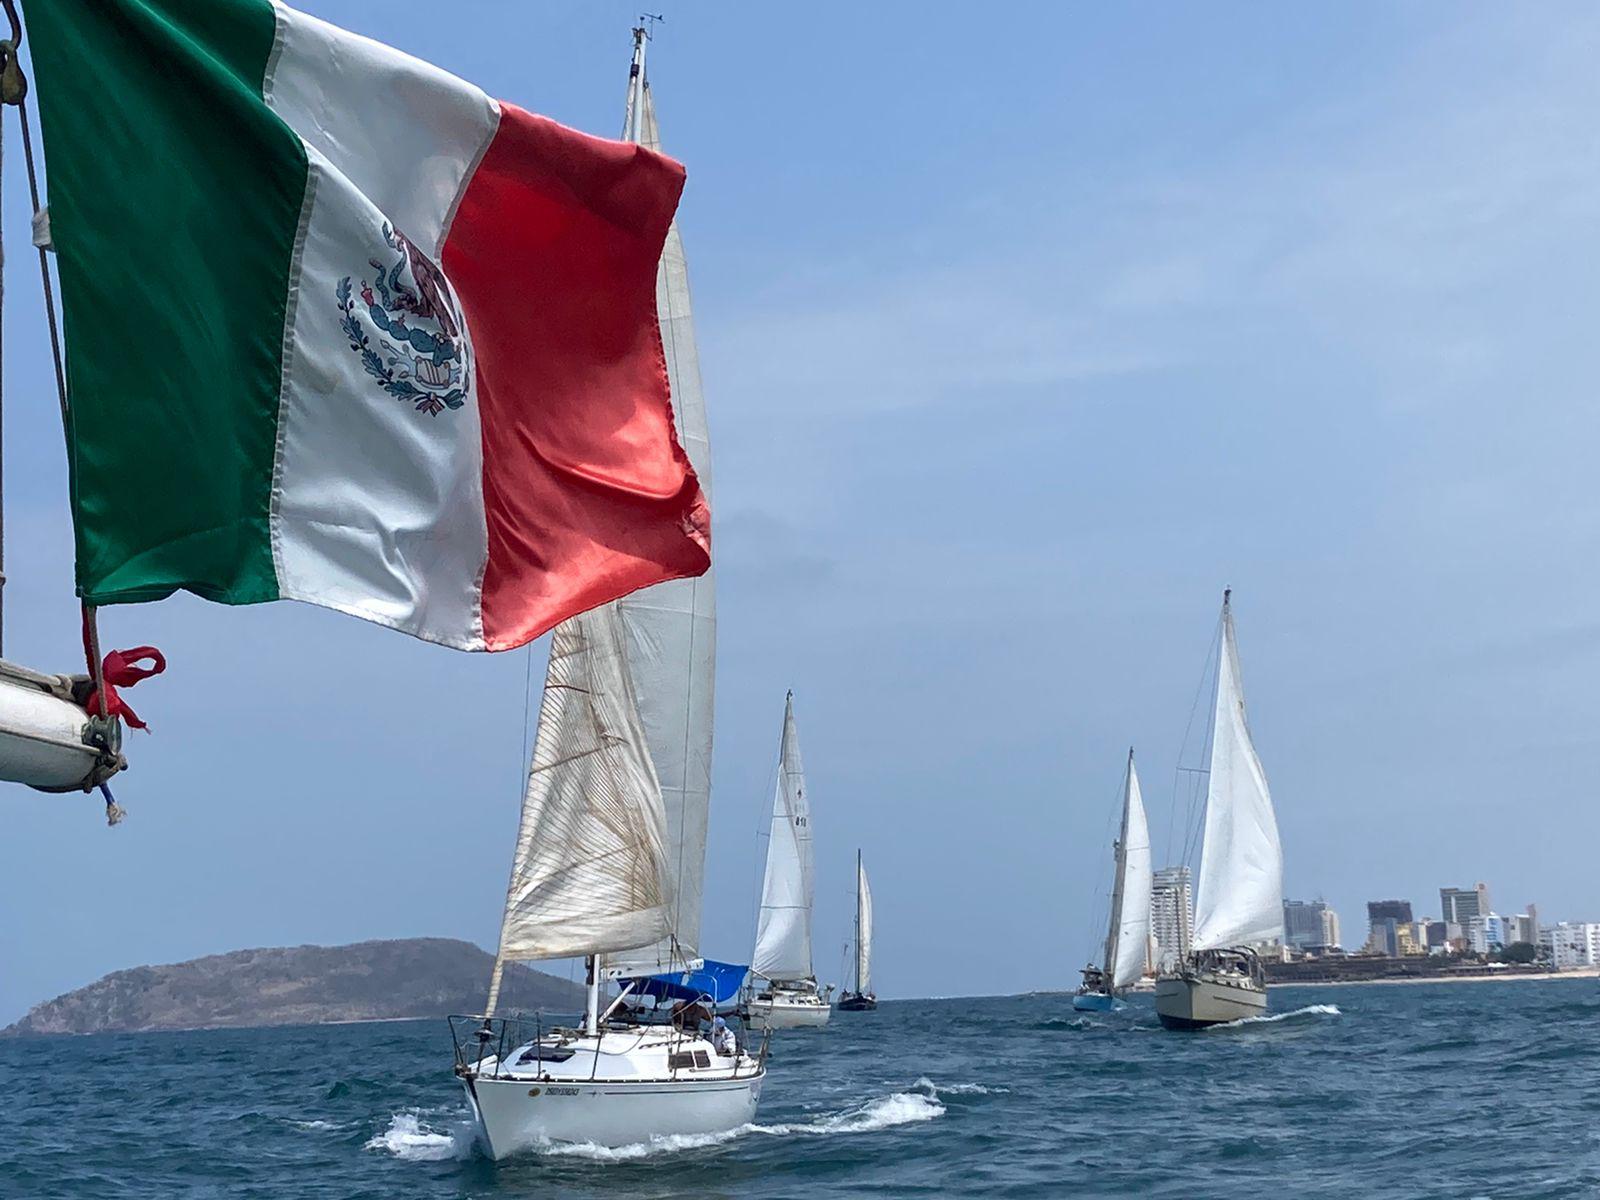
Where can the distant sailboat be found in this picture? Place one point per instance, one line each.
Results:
(791, 998)
(861, 997)
(1240, 901)
(1128, 937)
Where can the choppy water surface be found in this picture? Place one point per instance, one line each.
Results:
(1458, 1090)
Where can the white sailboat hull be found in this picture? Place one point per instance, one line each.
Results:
(1198, 1000)
(515, 1116)
(787, 1012)
(628, 1087)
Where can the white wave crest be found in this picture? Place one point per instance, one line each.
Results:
(959, 1089)
(409, 1138)
(316, 1126)
(885, 1112)
(1310, 1010)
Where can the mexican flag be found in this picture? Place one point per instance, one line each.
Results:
(341, 328)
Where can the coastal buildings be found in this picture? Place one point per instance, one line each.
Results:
(1309, 924)
(1486, 933)
(1390, 928)
(1171, 913)
(1573, 945)
(1459, 905)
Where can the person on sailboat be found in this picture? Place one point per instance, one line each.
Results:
(722, 1039)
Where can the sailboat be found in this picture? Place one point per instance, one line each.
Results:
(861, 997)
(1128, 937)
(590, 877)
(1240, 900)
(610, 855)
(790, 998)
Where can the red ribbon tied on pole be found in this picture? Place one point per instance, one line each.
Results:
(121, 669)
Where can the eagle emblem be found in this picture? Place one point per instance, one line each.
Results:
(421, 354)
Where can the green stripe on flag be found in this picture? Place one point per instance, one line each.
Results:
(175, 196)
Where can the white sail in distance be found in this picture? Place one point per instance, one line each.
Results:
(783, 931)
(1240, 898)
(589, 872)
(672, 627)
(1127, 944)
(863, 929)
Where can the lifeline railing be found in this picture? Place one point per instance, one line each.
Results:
(477, 1040)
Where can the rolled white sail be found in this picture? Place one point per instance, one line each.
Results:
(783, 932)
(1240, 898)
(863, 929)
(672, 627)
(1130, 916)
(590, 865)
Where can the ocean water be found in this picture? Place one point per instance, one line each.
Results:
(1450, 1090)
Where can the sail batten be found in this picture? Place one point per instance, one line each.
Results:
(783, 931)
(672, 627)
(1128, 937)
(1240, 896)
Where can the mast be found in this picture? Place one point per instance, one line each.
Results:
(633, 118)
(858, 922)
(672, 627)
(591, 1012)
(1118, 885)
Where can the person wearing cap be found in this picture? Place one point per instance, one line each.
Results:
(722, 1039)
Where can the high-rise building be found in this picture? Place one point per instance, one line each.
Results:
(1385, 920)
(1305, 923)
(1171, 913)
(1486, 933)
(1573, 944)
(1330, 928)
(1459, 905)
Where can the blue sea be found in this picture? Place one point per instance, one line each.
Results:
(1452, 1090)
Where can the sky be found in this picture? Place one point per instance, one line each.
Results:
(1025, 330)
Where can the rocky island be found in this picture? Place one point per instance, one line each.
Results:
(298, 985)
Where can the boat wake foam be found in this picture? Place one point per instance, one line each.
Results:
(411, 1139)
(885, 1112)
(1310, 1010)
(959, 1089)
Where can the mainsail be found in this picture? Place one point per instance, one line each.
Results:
(1127, 943)
(672, 627)
(1240, 898)
(589, 874)
(863, 929)
(783, 932)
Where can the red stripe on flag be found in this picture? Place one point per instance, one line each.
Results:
(553, 255)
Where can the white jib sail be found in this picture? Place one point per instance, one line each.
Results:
(589, 871)
(1240, 898)
(672, 627)
(863, 929)
(783, 932)
(1130, 905)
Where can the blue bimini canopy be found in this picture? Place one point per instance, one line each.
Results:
(718, 982)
